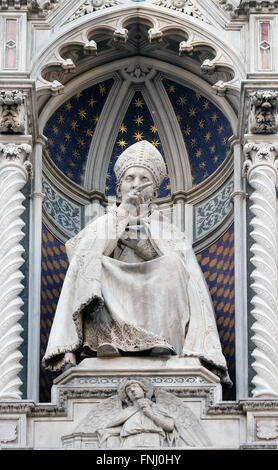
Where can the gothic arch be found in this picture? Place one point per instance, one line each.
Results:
(75, 59)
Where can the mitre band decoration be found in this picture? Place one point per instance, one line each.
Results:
(143, 154)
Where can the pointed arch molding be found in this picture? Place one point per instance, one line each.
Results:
(194, 34)
(117, 104)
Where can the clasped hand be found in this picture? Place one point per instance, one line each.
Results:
(135, 198)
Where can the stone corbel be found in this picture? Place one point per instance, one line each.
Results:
(12, 112)
(193, 43)
(45, 86)
(90, 47)
(155, 35)
(65, 63)
(208, 66)
(120, 35)
(220, 60)
(185, 48)
(264, 116)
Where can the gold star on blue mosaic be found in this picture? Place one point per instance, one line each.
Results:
(137, 125)
(204, 127)
(71, 128)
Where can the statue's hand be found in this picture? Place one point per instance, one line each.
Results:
(144, 404)
(135, 198)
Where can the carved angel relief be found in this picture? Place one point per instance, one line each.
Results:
(139, 416)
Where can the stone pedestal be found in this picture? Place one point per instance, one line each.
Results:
(80, 392)
(99, 379)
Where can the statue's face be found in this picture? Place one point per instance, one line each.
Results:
(134, 177)
(134, 391)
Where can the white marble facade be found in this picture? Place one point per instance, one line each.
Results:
(222, 50)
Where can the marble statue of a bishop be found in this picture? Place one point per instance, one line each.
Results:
(134, 285)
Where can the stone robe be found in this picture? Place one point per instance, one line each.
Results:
(134, 304)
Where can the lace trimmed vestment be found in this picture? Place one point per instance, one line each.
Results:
(134, 298)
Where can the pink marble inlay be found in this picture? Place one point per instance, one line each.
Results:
(264, 31)
(11, 58)
(11, 37)
(11, 30)
(265, 59)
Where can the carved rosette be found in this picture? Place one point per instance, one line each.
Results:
(261, 169)
(14, 171)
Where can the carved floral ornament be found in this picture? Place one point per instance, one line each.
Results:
(12, 111)
(89, 6)
(260, 154)
(16, 154)
(264, 116)
(184, 6)
(243, 8)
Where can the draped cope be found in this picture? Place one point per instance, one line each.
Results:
(135, 298)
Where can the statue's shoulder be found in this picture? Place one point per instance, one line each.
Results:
(87, 233)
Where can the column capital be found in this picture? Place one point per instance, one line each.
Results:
(16, 154)
(260, 154)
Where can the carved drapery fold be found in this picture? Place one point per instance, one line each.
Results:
(14, 171)
(261, 169)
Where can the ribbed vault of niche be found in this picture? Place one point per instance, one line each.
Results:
(89, 130)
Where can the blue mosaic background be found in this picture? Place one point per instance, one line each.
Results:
(54, 268)
(205, 129)
(71, 127)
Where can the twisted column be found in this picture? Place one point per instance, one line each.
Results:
(261, 168)
(14, 170)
